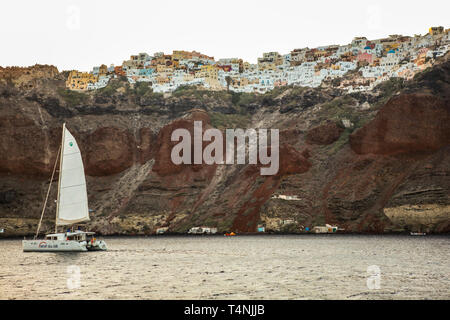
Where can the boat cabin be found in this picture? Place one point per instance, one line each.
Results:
(74, 236)
(55, 236)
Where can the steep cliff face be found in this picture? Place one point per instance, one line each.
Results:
(389, 171)
(408, 123)
(422, 200)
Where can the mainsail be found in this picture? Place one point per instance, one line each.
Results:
(72, 205)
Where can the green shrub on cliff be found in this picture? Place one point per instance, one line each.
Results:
(339, 143)
(184, 90)
(110, 88)
(242, 99)
(190, 91)
(200, 94)
(142, 88)
(229, 121)
(387, 89)
(338, 109)
(72, 98)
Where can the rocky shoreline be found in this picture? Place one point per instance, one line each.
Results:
(399, 233)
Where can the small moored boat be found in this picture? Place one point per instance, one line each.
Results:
(418, 233)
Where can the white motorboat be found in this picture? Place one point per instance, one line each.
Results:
(71, 206)
(418, 233)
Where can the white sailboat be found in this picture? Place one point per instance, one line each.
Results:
(71, 205)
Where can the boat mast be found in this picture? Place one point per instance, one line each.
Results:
(59, 177)
(48, 192)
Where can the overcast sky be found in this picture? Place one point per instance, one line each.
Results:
(79, 34)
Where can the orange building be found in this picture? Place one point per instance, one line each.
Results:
(119, 71)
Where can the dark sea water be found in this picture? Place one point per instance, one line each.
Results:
(242, 267)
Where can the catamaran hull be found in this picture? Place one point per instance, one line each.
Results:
(53, 246)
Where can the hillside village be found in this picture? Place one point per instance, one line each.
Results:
(375, 60)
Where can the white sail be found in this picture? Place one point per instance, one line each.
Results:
(72, 205)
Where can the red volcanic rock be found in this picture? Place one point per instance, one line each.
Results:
(290, 135)
(306, 153)
(25, 148)
(249, 213)
(163, 162)
(200, 115)
(292, 161)
(180, 188)
(108, 151)
(29, 149)
(406, 124)
(146, 145)
(324, 134)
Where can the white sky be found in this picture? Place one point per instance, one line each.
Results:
(79, 34)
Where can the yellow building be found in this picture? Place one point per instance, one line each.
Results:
(335, 67)
(161, 79)
(267, 65)
(175, 64)
(213, 84)
(163, 69)
(79, 80)
(239, 82)
(188, 77)
(181, 55)
(208, 72)
(436, 30)
(246, 66)
(391, 46)
(320, 53)
(103, 70)
(274, 57)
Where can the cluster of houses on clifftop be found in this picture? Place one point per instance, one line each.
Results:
(376, 60)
